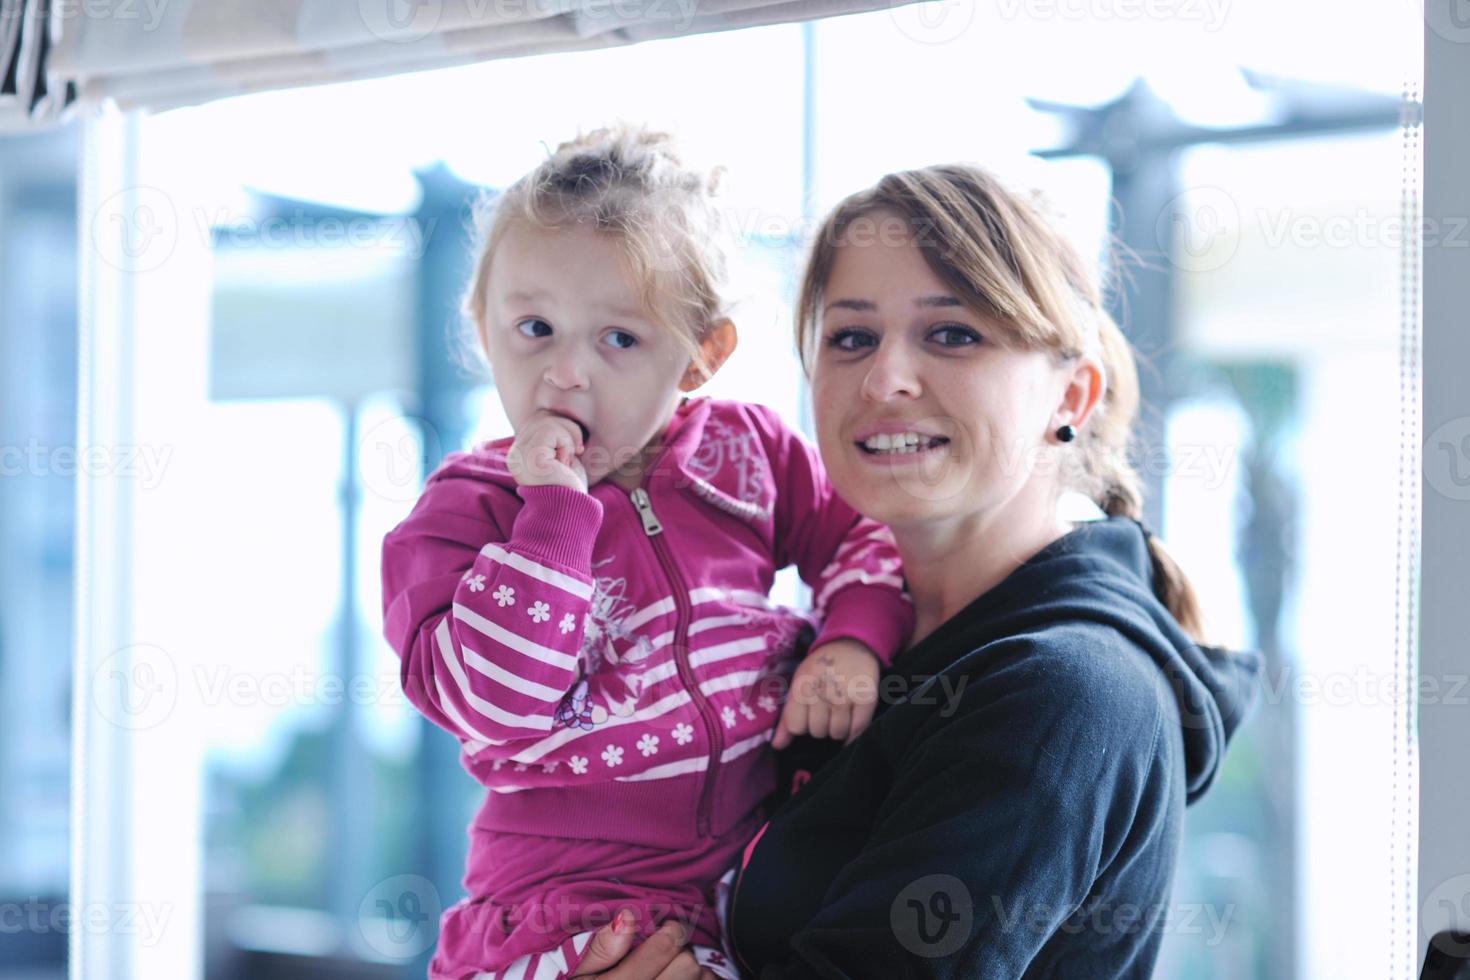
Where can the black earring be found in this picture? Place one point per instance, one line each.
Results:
(1066, 433)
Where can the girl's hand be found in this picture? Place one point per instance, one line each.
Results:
(833, 694)
(545, 452)
(661, 956)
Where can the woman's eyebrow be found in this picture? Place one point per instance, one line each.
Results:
(868, 306)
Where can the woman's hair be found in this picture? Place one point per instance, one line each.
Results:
(628, 182)
(1001, 256)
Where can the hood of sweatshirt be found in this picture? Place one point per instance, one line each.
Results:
(1103, 572)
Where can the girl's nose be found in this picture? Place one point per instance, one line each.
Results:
(566, 374)
(890, 375)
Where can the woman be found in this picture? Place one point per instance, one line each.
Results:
(1015, 808)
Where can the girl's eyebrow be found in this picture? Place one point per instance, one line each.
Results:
(626, 313)
(532, 295)
(868, 306)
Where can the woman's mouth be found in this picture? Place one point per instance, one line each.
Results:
(900, 444)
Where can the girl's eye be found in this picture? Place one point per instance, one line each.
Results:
(849, 339)
(622, 339)
(528, 327)
(954, 335)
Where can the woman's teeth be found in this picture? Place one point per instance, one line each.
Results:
(901, 442)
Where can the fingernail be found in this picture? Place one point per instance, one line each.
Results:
(620, 923)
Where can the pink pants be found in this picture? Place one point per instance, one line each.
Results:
(535, 902)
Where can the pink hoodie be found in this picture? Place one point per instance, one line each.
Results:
(605, 659)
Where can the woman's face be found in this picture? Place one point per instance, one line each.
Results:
(920, 415)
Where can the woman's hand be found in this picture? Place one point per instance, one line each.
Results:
(833, 694)
(661, 956)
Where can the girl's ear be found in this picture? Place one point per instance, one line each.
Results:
(716, 347)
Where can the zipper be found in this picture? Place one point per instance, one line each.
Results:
(683, 611)
(651, 526)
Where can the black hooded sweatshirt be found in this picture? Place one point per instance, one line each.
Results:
(1015, 808)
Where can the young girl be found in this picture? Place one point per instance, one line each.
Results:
(584, 605)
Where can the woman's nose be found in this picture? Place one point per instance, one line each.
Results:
(890, 375)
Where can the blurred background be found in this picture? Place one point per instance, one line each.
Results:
(1247, 153)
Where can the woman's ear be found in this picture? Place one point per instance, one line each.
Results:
(716, 347)
(1085, 387)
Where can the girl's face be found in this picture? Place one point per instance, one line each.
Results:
(566, 334)
(920, 415)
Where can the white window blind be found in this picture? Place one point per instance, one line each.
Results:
(58, 55)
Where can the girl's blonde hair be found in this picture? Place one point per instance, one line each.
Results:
(999, 254)
(630, 182)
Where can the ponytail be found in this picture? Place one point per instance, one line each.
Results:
(1116, 485)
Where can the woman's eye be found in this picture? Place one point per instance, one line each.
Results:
(529, 327)
(953, 335)
(848, 339)
(622, 339)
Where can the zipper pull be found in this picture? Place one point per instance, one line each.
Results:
(651, 526)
